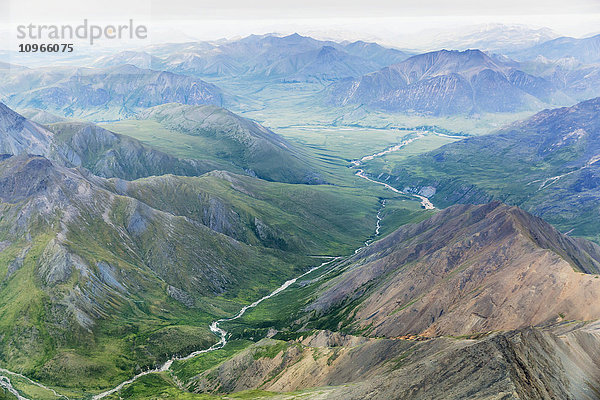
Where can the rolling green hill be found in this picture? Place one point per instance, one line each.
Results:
(308, 219)
(108, 154)
(173, 139)
(215, 133)
(82, 144)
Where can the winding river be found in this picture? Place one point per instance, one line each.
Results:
(6, 383)
(216, 329)
(215, 325)
(428, 205)
(425, 202)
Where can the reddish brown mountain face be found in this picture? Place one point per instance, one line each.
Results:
(469, 269)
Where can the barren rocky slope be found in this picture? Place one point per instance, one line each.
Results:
(468, 269)
(532, 363)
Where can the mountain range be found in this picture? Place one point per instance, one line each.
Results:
(154, 244)
(448, 83)
(105, 93)
(585, 50)
(555, 72)
(288, 58)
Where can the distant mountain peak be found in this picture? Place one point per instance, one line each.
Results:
(294, 35)
(458, 55)
(585, 50)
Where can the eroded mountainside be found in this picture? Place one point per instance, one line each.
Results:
(466, 270)
(83, 267)
(531, 363)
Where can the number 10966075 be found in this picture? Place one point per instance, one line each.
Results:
(45, 48)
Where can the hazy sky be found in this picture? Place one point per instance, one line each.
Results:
(262, 9)
(383, 20)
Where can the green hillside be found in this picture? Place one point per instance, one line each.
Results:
(200, 132)
(547, 164)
